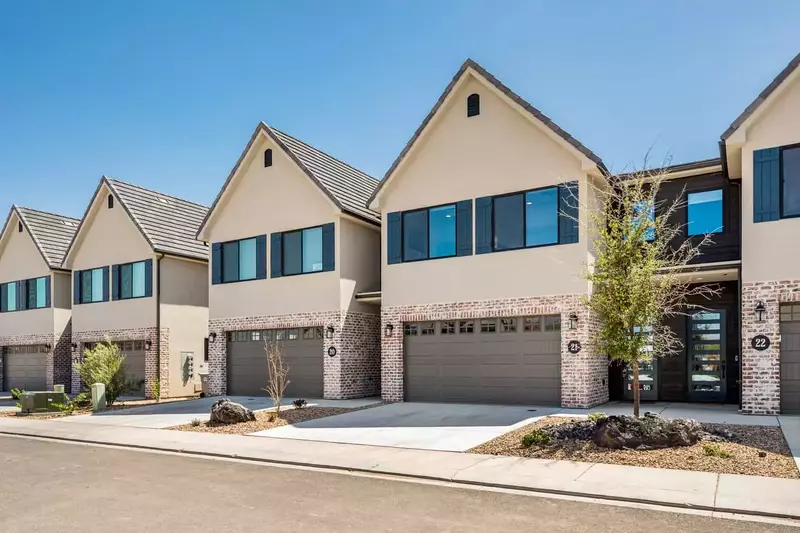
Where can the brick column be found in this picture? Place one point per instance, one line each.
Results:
(761, 369)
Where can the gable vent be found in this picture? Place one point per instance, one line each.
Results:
(110, 202)
(19, 226)
(268, 157)
(473, 105)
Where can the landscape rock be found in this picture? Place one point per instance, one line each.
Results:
(649, 432)
(581, 430)
(225, 411)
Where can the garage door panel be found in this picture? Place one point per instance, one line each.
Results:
(790, 359)
(25, 367)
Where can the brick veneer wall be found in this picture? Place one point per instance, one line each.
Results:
(353, 373)
(584, 377)
(761, 371)
(151, 355)
(54, 359)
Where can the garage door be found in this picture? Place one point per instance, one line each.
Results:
(514, 360)
(247, 361)
(25, 367)
(790, 359)
(134, 352)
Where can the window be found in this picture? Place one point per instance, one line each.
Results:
(473, 105)
(541, 217)
(308, 333)
(645, 209)
(704, 212)
(19, 227)
(429, 233)
(466, 326)
(302, 251)
(255, 336)
(36, 293)
(268, 157)
(429, 328)
(11, 296)
(91, 286)
(508, 325)
(110, 202)
(448, 327)
(239, 260)
(532, 323)
(509, 222)
(293, 334)
(488, 325)
(552, 323)
(131, 281)
(410, 330)
(790, 181)
(415, 235)
(525, 219)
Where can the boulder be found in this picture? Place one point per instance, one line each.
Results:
(225, 411)
(649, 432)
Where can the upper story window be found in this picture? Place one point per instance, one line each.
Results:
(644, 210)
(25, 294)
(131, 280)
(704, 212)
(429, 233)
(473, 105)
(526, 219)
(302, 251)
(91, 285)
(790, 181)
(239, 260)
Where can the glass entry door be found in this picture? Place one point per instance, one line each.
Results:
(648, 373)
(706, 351)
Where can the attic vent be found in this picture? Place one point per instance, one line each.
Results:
(19, 227)
(110, 202)
(268, 157)
(473, 105)
(68, 223)
(164, 201)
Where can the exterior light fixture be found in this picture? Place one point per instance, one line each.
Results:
(74, 346)
(573, 321)
(48, 346)
(148, 344)
(388, 330)
(329, 332)
(760, 310)
(212, 336)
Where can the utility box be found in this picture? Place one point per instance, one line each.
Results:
(204, 385)
(41, 402)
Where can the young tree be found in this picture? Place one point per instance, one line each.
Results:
(105, 363)
(635, 278)
(278, 373)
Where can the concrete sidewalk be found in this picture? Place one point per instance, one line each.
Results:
(699, 490)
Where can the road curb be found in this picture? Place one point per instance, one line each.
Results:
(532, 490)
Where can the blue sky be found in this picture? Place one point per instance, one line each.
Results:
(165, 94)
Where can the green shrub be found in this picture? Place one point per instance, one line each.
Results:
(196, 422)
(299, 403)
(537, 436)
(105, 363)
(594, 417)
(80, 401)
(16, 394)
(714, 450)
(157, 390)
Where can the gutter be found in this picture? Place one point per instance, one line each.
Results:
(158, 322)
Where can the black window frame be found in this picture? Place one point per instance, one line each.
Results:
(110, 201)
(724, 192)
(268, 158)
(238, 266)
(302, 251)
(27, 283)
(427, 209)
(781, 149)
(525, 246)
(81, 274)
(473, 105)
(118, 281)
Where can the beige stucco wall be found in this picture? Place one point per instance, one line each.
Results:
(360, 262)
(769, 249)
(263, 201)
(184, 310)
(458, 158)
(110, 237)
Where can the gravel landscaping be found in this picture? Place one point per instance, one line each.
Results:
(741, 455)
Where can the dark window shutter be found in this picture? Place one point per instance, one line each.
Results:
(48, 292)
(766, 185)
(483, 225)
(148, 277)
(568, 209)
(394, 238)
(115, 282)
(216, 263)
(261, 257)
(76, 287)
(464, 227)
(32, 293)
(22, 295)
(473, 105)
(105, 283)
(276, 255)
(328, 247)
(3, 297)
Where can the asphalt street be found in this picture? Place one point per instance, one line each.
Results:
(53, 486)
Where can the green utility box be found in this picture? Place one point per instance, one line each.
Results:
(41, 402)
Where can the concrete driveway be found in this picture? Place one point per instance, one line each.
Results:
(165, 415)
(429, 426)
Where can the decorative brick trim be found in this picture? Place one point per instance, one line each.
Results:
(353, 373)
(761, 371)
(151, 355)
(584, 377)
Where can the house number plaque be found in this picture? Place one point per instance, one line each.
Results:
(332, 351)
(574, 347)
(760, 342)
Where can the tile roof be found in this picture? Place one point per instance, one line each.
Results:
(168, 223)
(50, 232)
(470, 64)
(768, 90)
(672, 169)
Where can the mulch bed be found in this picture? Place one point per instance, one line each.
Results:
(268, 420)
(119, 405)
(750, 440)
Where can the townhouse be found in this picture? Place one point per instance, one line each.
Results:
(293, 246)
(139, 279)
(35, 307)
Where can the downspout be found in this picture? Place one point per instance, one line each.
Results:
(158, 322)
(739, 295)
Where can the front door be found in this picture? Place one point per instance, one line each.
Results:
(706, 351)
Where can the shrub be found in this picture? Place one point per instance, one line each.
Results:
(299, 403)
(196, 422)
(16, 394)
(714, 450)
(105, 363)
(537, 436)
(595, 417)
(80, 401)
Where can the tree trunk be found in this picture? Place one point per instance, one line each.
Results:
(636, 389)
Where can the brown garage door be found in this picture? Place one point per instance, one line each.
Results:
(25, 367)
(247, 361)
(790, 359)
(134, 352)
(513, 360)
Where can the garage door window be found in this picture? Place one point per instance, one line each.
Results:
(508, 325)
(488, 325)
(466, 326)
(428, 328)
(448, 327)
(552, 323)
(26, 349)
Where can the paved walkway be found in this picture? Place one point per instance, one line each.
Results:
(714, 492)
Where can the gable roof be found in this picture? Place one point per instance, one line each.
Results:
(762, 97)
(347, 187)
(469, 64)
(167, 223)
(50, 233)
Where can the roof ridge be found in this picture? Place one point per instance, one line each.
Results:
(323, 152)
(46, 212)
(117, 180)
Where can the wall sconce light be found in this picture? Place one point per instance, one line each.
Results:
(329, 332)
(573, 321)
(760, 310)
(212, 336)
(74, 346)
(148, 344)
(388, 330)
(48, 346)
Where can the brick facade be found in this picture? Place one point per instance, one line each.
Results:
(761, 371)
(353, 373)
(584, 377)
(57, 359)
(151, 355)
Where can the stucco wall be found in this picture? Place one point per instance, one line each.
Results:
(360, 263)
(19, 258)
(457, 158)
(765, 253)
